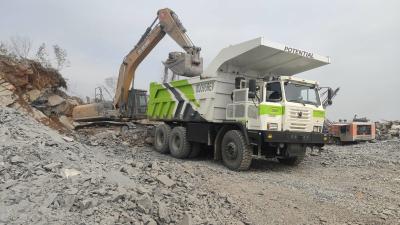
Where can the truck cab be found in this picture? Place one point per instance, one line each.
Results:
(286, 104)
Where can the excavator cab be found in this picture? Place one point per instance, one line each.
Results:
(137, 104)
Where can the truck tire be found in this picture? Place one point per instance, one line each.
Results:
(195, 151)
(161, 138)
(294, 160)
(179, 146)
(236, 154)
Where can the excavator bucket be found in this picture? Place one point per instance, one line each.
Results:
(184, 64)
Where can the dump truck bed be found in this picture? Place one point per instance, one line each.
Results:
(260, 57)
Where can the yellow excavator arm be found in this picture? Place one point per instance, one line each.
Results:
(126, 102)
(168, 23)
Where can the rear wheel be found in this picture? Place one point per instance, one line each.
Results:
(178, 144)
(236, 154)
(161, 138)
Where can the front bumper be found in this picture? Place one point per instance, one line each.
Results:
(292, 137)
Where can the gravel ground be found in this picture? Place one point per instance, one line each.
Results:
(46, 178)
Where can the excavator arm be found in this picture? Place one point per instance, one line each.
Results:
(125, 101)
(168, 23)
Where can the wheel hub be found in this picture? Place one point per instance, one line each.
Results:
(231, 150)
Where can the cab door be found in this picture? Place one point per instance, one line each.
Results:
(271, 110)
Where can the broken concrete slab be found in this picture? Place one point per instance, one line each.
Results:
(163, 212)
(68, 173)
(55, 100)
(145, 204)
(33, 94)
(66, 122)
(16, 160)
(187, 220)
(52, 166)
(164, 179)
(68, 139)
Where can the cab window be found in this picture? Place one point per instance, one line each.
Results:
(274, 92)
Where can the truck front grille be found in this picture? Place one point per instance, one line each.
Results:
(298, 118)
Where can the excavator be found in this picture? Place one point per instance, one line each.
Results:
(129, 103)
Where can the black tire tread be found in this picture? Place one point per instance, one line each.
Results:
(167, 130)
(185, 151)
(247, 152)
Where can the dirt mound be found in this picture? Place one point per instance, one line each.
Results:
(30, 74)
(30, 87)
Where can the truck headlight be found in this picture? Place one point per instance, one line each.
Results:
(317, 129)
(272, 126)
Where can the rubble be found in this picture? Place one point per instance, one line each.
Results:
(388, 130)
(46, 179)
(106, 135)
(165, 180)
(29, 87)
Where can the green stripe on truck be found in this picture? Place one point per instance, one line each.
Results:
(319, 113)
(187, 89)
(271, 110)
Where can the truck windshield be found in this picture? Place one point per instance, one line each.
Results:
(301, 93)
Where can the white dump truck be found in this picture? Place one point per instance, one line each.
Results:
(246, 104)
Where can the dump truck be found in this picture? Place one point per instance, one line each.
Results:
(355, 131)
(246, 104)
(130, 103)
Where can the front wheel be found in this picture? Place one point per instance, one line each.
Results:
(236, 154)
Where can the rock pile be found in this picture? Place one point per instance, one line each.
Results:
(32, 88)
(387, 130)
(137, 135)
(46, 178)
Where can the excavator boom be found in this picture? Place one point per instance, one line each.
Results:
(131, 62)
(170, 24)
(188, 63)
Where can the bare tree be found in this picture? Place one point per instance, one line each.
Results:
(20, 46)
(60, 57)
(3, 49)
(42, 56)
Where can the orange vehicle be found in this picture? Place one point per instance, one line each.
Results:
(358, 130)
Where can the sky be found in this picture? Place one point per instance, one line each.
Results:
(362, 38)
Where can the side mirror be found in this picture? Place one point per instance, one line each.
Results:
(237, 82)
(252, 88)
(330, 96)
